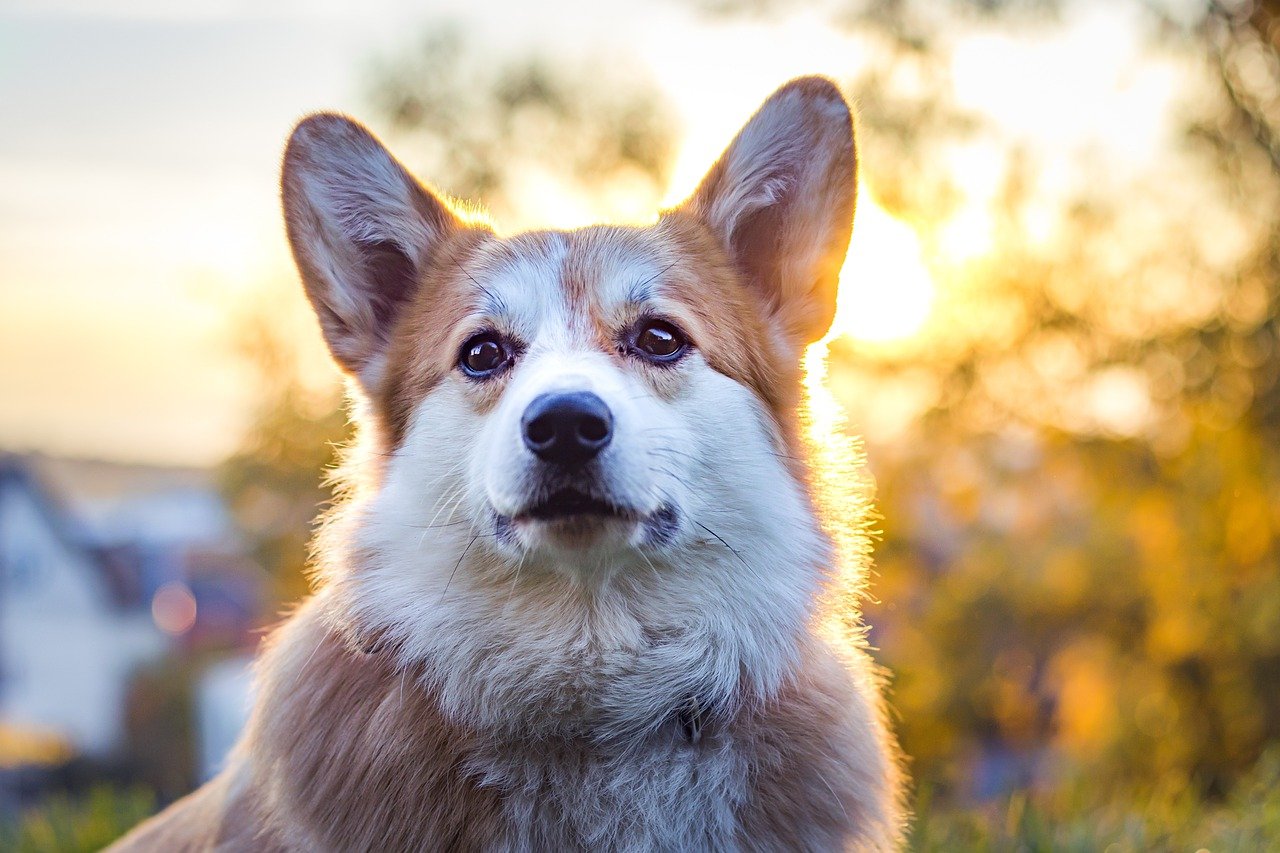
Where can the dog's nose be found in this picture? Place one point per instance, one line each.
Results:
(567, 429)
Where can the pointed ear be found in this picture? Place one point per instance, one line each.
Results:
(362, 230)
(781, 200)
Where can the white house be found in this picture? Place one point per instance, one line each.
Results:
(224, 696)
(73, 625)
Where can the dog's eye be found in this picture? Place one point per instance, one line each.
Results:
(661, 341)
(484, 354)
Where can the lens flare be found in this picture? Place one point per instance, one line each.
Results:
(173, 608)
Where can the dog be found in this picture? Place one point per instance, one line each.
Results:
(569, 599)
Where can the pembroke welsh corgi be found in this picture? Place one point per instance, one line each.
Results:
(569, 598)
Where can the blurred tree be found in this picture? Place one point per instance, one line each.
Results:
(160, 723)
(481, 131)
(274, 482)
(478, 128)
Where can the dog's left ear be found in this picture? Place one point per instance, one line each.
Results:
(362, 230)
(781, 200)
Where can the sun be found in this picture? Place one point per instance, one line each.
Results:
(886, 290)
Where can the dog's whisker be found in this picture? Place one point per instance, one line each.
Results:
(512, 589)
(450, 501)
(440, 526)
(672, 452)
(659, 274)
(722, 541)
(657, 577)
(461, 557)
(672, 474)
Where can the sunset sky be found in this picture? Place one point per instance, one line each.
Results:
(140, 146)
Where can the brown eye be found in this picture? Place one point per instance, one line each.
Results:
(484, 354)
(660, 341)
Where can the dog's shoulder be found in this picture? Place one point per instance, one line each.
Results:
(822, 761)
(342, 753)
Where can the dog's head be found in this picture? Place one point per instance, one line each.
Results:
(590, 399)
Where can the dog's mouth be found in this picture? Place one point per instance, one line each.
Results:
(573, 518)
(571, 503)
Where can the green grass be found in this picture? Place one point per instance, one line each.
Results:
(72, 825)
(1165, 819)
(1169, 818)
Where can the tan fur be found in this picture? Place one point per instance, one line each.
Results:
(219, 816)
(790, 252)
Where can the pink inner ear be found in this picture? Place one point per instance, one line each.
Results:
(756, 246)
(394, 277)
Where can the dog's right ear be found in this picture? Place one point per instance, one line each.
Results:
(362, 230)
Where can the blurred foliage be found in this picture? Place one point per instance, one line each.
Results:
(68, 824)
(1079, 577)
(477, 129)
(1057, 608)
(273, 483)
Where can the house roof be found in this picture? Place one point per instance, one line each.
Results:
(116, 566)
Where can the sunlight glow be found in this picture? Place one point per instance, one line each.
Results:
(886, 291)
(842, 492)
(886, 294)
(969, 234)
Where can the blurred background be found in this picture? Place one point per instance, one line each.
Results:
(1057, 335)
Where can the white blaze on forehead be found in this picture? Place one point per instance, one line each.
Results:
(566, 369)
(523, 281)
(618, 270)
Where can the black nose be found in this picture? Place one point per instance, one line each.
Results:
(567, 429)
